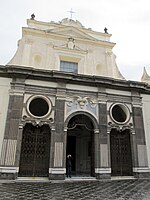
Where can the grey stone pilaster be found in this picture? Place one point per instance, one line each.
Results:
(58, 143)
(140, 152)
(59, 118)
(13, 116)
(9, 155)
(104, 163)
(11, 130)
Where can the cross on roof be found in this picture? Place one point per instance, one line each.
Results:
(71, 12)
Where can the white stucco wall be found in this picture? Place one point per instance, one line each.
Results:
(4, 99)
(146, 116)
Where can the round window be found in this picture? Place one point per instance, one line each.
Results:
(119, 113)
(39, 106)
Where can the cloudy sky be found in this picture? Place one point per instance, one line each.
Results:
(127, 20)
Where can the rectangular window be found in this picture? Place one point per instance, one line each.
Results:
(66, 66)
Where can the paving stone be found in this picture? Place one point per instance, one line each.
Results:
(107, 190)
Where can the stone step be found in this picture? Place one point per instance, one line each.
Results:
(32, 179)
(122, 177)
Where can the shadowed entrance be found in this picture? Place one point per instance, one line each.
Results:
(80, 144)
(34, 159)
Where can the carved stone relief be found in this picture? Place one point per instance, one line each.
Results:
(71, 43)
(119, 127)
(78, 103)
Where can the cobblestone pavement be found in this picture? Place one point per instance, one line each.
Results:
(104, 190)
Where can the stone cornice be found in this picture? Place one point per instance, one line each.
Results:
(64, 77)
(43, 33)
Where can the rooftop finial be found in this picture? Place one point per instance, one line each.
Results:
(71, 12)
(32, 16)
(105, 30)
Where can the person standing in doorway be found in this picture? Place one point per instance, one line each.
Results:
(69, 165)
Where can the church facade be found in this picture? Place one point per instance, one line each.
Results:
(62, 93)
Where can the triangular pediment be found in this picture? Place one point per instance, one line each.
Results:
(71, 32)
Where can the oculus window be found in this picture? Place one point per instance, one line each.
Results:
(66, 66)
(120, 113)
(39, 106)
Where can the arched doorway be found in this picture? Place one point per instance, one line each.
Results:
(80, 144)
(121, 156)
(35, 151)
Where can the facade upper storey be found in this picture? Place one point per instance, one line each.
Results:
(66, 46)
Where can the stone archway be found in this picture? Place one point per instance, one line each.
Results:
(121, 156)
(35, 151)
(80, 144)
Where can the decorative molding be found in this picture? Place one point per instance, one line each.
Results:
(70, 45)
(35, 122)
(9, 169)
(16, 92)
(141, 169)
(75, 49)
(96, 131)
(60, 97)
(65, 129)
(120, 127)
(53, 128)
(57, 170)
(21, 126)
(115, 98)
(103, 170)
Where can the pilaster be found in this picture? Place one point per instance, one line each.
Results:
(57, 169)
(9, 147)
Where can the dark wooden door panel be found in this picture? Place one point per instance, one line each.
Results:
(34, 159)
(121, 160)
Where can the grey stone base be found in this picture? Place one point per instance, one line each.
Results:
(8, 176)
(142, 175)
(57, 176)
(103, 176)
